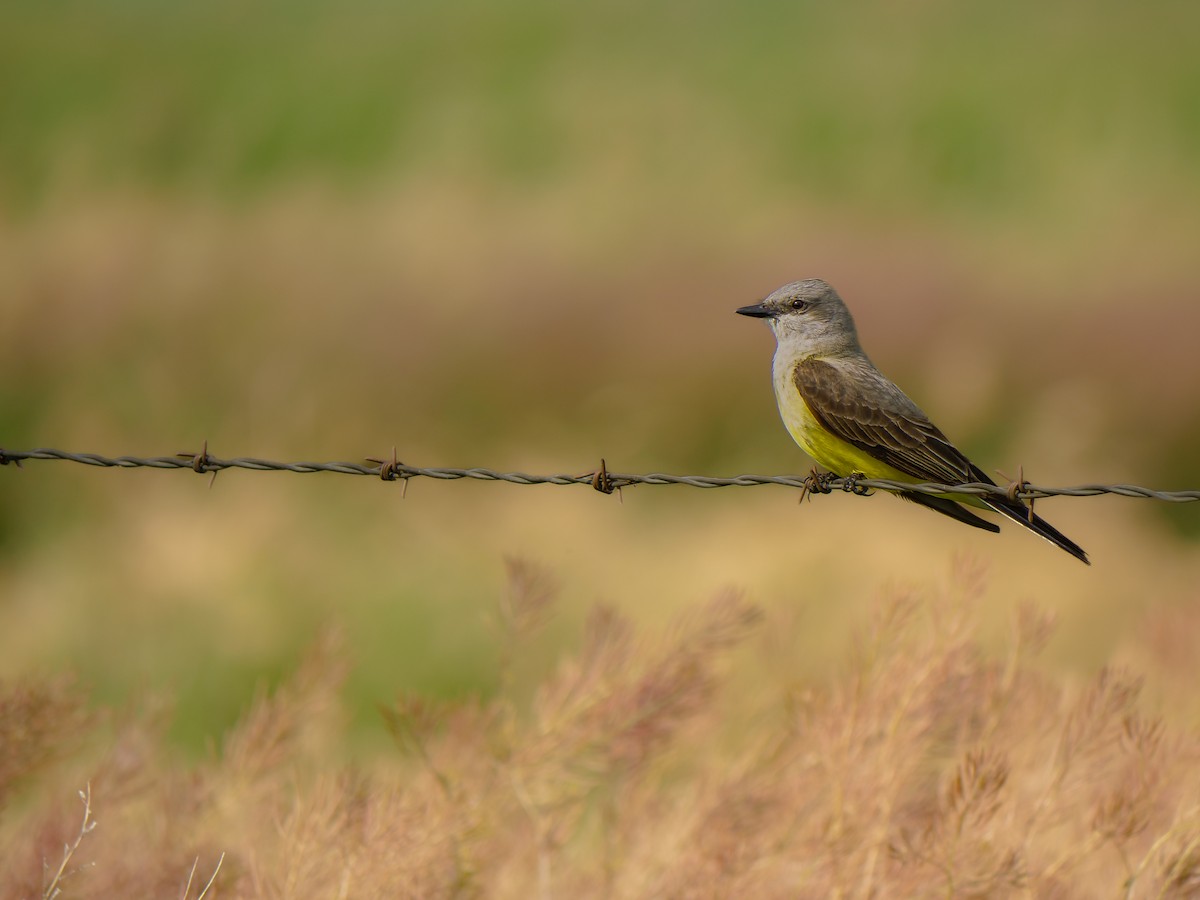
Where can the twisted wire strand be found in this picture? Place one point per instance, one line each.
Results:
(600, 479)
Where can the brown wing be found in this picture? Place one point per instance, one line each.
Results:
(863, 408)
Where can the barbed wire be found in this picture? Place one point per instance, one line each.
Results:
(601, 479)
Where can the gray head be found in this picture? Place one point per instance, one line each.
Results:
(808, 317)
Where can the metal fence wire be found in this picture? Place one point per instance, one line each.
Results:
(601, 479)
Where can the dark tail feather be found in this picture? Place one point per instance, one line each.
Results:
(1014, 509)
(948, 507)
(1019, 512)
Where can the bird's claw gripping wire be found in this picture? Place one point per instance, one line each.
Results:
(5, 459)
(851, 486)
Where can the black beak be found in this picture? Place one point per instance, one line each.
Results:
(757, 311)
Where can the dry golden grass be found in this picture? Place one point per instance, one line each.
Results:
(692, 763)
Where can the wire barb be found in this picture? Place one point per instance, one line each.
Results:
(1018, 488)
(200, 462)
(816, 483)
(389, 469)
(601, 480)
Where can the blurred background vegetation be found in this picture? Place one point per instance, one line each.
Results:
(513, 234)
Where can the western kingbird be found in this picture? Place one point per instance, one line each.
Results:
(851, 419)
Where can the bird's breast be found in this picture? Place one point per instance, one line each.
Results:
(830, 451)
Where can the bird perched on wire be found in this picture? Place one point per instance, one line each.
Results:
(855, 422)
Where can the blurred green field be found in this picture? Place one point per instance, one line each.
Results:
(513, 235)
(941, 108)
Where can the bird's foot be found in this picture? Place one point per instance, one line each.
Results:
(850, 485)
(817, 483)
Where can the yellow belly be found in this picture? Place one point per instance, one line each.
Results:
(830, 451)
(838, 456)
(842, 458)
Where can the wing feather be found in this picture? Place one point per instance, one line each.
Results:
(860, 406)
(863, 408)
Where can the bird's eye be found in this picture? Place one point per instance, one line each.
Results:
(799, 305)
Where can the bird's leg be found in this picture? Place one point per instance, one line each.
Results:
(850, 485)
(816, 483)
